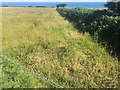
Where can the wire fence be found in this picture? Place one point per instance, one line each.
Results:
(31, 71)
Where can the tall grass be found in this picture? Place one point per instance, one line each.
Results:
(41, 40)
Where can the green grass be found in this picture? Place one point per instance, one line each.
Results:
(41, 40)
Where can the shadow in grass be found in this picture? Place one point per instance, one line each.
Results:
(101, 24)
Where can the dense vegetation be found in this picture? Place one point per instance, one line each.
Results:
(101, 24)
(61, 5)
(114, 5)
(42, 41)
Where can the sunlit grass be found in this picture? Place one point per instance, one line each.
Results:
(43, 41)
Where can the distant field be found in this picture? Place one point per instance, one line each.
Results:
(41, 40)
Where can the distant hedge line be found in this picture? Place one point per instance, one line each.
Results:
(100, 23)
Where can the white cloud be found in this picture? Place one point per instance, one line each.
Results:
(54, 0)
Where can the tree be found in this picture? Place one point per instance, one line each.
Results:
(113, 5)
(61, 5)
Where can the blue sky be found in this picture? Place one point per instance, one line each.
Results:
(53, 0)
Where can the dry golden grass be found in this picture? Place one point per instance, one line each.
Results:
(42, 40)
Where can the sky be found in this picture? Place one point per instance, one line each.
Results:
(53, 0)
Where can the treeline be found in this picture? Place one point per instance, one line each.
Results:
(57, 6)
(102, 24)
(22, 6)
(61, 5)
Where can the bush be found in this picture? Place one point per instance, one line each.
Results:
(114, 6)
(61, 5)
(100, 24)
(108, 31)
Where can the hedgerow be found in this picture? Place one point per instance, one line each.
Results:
(101, 24)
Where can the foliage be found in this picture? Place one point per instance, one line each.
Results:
(108, 31)
(101, 24)
(114, 6)
(61, 5)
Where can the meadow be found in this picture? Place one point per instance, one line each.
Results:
(41, 40)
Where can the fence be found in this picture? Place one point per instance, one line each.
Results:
(31, 71)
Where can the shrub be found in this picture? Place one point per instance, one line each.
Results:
(114, 6)
(61, 5)
(100, 24)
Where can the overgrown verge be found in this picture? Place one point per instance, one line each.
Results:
(51, 47)
(101, 24)
(73, 64)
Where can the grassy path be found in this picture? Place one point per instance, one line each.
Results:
(41, 40)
